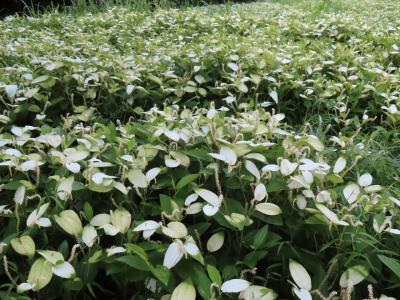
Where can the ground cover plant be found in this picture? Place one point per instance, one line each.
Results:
(221, 152)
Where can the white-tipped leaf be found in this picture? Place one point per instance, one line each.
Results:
(340, 164)
(300, 275)
(234, 286)
(184, 291)
(302, 294)
(89, 235)
(351, 192)
(64, 270)
(100, 220)
(365, 180)
(209, 196)
(152, 174)
(252, 168)
(19, 195)
(137, 178)
(268, 209)
(216, 241)
(173, 255)
(353, 276)
(260, 192)
(287, 167)
(175, 230)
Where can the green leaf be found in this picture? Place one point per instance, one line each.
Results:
(186, 180)
(189, 269)
(134, 261)
(260, 237)
(161, 273)
(88, 210)
(214, 274)
(132, 248)
(252, 258)
(40, 274)
(391, 263)
(200, 154)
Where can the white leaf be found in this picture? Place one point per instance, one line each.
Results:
(234, 286)
(324, 197)
(395, 201)
(129, 89)
(35, 215)
(184, 291)
(209, 196)
(23, 287)
(152, 173)
(11, 90)
(19, 195)
(339, 165)
(173, 135)
(30, 165)
(115, 250)
(191, 198)
(175, 230)
(301, 202)
(64, 188)
(43, 222)
(120, 187)
(110, 229)
(302, 294)
(127, 157)
(365, 180)
(147, 225)
(64, 270)
(13, 152)
(330, 215)
(73, 167)
(268, 209)
(287, 167)
(173, 255)
(300, 275)
(191, 248)
(75, 156)
(256, 156)
(137, 178)
(194, 208)
(315, 143)
(216, 241)
(210, 210)
(100, 220)
(393, 230)
(270, 168)
(97, 178)
(252, 168)
(260, 192)
(373, 188)
(351, 192)
(229, 155)
(53, 140)
(297, 182)
(353, 276)
(172, 163)
(274, 95)
(89, 235)
(148, 233)
(233, 66)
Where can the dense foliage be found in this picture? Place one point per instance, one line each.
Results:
(245, 152)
